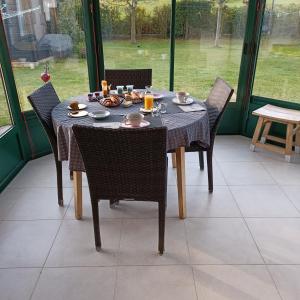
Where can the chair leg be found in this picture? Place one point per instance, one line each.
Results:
(210, 170)
(96, 224)
(59, 182)
(161, 226)
(201, 160)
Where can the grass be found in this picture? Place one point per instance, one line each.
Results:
(197, 63)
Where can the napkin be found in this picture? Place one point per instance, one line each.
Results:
(113, 125)
(192, 107)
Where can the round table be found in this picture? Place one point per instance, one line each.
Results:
(183, 128)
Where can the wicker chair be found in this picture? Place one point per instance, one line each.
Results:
(138, 77)
(125, 164)
(43, 100)
(216, 103)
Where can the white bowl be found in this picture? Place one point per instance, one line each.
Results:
(100, 114)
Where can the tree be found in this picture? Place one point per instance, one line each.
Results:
(221, 4)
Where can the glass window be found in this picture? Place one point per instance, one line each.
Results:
(136, 35)
(209, 41)
(277, 72)
(5, 117)
(44, 33)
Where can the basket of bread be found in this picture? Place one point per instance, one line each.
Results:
(135, 97)
(111, 101)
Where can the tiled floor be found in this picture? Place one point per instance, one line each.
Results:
(240, 243)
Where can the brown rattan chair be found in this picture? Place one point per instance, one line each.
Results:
(43, 100)
(216, 104)
(138, 77)
(125, 164)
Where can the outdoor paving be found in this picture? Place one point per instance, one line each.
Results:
(240, 243)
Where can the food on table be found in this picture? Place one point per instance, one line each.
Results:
(112, 100)
(74, 105)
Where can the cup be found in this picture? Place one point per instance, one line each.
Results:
(148, 101)
(90, 96)
(129, 88)
(163, 107)
(182, 96)
(134, 119)
(120, 89)
(97, 95)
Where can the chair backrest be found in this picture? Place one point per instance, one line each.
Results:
(43, 100)
(124, 163)
(217, 101)
(138, 77)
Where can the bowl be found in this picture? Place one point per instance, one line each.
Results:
(100, 114)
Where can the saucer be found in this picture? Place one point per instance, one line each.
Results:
(81, 113)
(144, 123)
(98, 117)
(188, 101)
(80, 106)
(142, 109)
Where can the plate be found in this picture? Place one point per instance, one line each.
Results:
(81, 113)
(188, 101)
(144, 123)
(98, 117)
(80, 106)
(157, 96)
(142, 109)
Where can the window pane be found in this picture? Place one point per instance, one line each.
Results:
(209, 44)
(136, 37)
(277, 72)
(5, 118)
(41, 32)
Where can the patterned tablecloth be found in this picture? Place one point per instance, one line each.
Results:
(183, 127)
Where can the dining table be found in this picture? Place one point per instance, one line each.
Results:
(183, 128)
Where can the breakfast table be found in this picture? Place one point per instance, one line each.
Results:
(183, 128)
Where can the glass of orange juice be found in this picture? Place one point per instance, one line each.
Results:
(148, 101)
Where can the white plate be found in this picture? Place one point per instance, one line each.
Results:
(80, 106)
(81, 113)
(188, 101)
(142, 109)
(98, 117)
(144, 123)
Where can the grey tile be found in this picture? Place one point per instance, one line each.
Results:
(245, 173)
(277, 239)
(75, 244)
(220, 241)
(155, 282)
(201, 203)
(7, 202)
(17, 284)
(139, 243)
(37, 203)
(26, 243)
(76, 284)
(235, 283)
(287, 280)
(263, 201)
(293, 193)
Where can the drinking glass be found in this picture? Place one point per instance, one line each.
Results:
(120, 89)
(129, 88)
(148, 101)
(148, 89)
(163, 108)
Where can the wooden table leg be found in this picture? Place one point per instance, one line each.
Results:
(289, 142)
(180, 160)
(77, 181)
(297, 143)
(174, 160)
(257, 131)
(266, 131)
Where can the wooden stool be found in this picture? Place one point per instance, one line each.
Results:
(268, 114)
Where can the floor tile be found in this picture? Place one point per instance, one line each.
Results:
(75, 244)
(7, 202)
(194, 176)
(139, 243)
(76, 284)
(284, 173)
(263, 201)
(201, 203)
(287, 279)
(26, 243)
(245, 173)
(125, 209)
(234, 283)
(38, 203)
(293, 193)
(220, 241)
(277, 239)
(17, 284)
(155, 282)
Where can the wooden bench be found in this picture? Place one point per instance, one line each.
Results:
(266, 116)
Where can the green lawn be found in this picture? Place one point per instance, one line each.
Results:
(196, 66)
